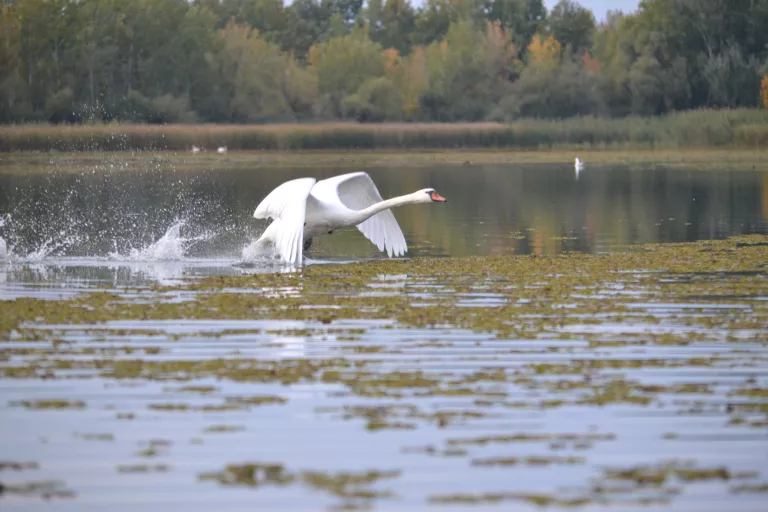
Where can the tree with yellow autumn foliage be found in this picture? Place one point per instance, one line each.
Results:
(764, 91)
(544, 52)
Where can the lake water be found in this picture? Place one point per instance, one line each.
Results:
(95, 440)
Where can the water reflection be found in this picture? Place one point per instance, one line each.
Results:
(531, 208)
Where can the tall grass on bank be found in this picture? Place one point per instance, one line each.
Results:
(737, 128)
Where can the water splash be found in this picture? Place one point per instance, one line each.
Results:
(172, 246)
(3, 245)
(256, 251)
(50, 247)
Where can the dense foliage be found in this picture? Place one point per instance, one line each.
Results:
(239, 61)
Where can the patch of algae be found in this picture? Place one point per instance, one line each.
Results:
(203, 390)
(533, 288)
(528, 461)
(541, 500)
(17, 466)
(642, 485)
(224, 428)
(526, 437)
(231, 403)
(46, 489)
(50, 404)
(353, 488)
(142, 468)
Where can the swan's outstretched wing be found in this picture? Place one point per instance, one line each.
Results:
(356, 191)
(287, 205)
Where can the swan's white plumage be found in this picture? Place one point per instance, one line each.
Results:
(287, 205)
(357, 191)
(282, 197)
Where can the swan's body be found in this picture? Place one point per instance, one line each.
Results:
(578, 165)
(305, 208)
(222, 149)
(195, 149)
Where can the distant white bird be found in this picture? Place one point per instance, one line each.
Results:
(578, 165)
(305, 208)
(222, 149)
(195, 149)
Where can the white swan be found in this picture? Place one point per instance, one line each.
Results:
(222, 149)
(195, 149)
(578, 165)
(305, 208)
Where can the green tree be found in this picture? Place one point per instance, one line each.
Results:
(14, 103)
(342, 65)
(255, 69)
(299, 87)
(392, 23)
(572, 25)
(267, 16)
(308, 22)
(521, 18)
(708, 35)
(468, 71)
(378, 99)
(732, 78)
(552, 86)
(436, 16)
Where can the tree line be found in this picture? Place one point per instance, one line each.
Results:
(254, 61)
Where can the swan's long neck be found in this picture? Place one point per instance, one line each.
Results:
(367, 213)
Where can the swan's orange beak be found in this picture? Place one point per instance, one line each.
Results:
(437, 197)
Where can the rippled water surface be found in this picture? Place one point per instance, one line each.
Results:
(583, 381)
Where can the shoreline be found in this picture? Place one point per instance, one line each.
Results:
(696, 158)
(745, 129)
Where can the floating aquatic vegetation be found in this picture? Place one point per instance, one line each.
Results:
(748, 488)
(224, 428)
(17, 466)
(596, 333)
(97, 437)
(203, 390)
(529, 437)
(535, 460)
(50, 404)
(142, 468)
(642, 485)
(355, 489)
(252, 475)
(46, 489)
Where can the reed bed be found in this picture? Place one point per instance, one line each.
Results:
(738, 128)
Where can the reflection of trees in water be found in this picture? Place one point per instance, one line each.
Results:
(605, 207)
(527, 208)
